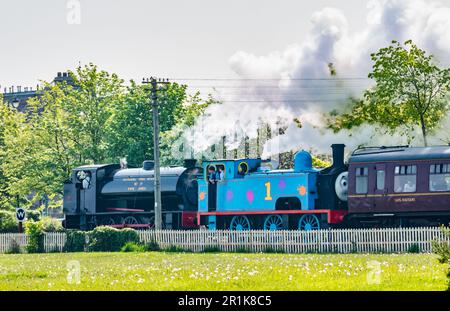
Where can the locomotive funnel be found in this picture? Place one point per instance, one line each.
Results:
(189, 163)
(148, 165)
(338, 155)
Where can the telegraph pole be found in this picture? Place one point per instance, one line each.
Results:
(156, 154)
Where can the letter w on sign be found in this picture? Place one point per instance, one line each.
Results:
(20, 214)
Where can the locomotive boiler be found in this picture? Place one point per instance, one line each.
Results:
(108, 195)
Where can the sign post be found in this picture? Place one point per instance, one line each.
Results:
(20, 215)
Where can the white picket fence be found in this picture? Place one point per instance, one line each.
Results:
(391, 240)
(53, 242)
(395, 240)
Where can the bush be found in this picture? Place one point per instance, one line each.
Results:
(211, 249)
(14, 247)
(132, 247)
(273, 250)
(33, 215)
(75, 241)
(414, 248)
(35, 234)
(174, 249)
(442, 248)
(8, 222)
(50, 224)
(107, 239)
(152, 246)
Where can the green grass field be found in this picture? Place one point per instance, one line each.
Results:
(188, 271)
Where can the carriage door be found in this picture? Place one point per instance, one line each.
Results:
(380, 188)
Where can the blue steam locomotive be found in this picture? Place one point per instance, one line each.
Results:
(247, 194)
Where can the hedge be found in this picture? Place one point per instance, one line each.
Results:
(75, 241)
(107, 239)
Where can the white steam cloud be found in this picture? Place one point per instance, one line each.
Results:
(288, 92)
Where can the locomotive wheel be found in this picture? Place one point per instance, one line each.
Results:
(240, 223)
(309, 222)
(130, 220)
(108, 221)
(151, 223)
(273, 222)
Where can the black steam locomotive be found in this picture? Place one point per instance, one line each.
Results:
(108, 195)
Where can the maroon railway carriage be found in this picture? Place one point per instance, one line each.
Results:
(401, 185)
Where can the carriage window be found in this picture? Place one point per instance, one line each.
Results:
(362, 180)
(405, 178)
(380, 179)
(439, 177)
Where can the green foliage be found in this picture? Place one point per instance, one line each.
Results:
(35, 235)
(131, 127)
(442, 249)
(272, 250)
(174, 143)
(33, 215)
(174, 249)
(95, 118)
(75, 241)
(211, 249)
(414, 248)
(107, 239)
(14, 247)
(132, 247)
(410, 92)
(320, 163)
(8, 222)
(50, 224)
(152, 246)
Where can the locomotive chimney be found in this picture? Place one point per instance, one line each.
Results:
(189, 163)
(338, 154)
(148, 165)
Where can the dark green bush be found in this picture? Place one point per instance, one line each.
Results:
(75, 241)
(35, 235)
(107, 239)
(174, 249)
(132, 247)
(14, 247)
(414, 248)
(33, 215)
(211, 249)
(152, 246)
(273, 250)
(8, 222)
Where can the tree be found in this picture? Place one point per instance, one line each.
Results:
(91, 105)
(131, 127)
(193, 107)
(410, 91)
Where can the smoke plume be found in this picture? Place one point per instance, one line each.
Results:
(308, 79)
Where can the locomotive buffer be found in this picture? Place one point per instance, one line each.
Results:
(157, 176)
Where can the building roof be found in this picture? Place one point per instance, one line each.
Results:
(400, 153)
